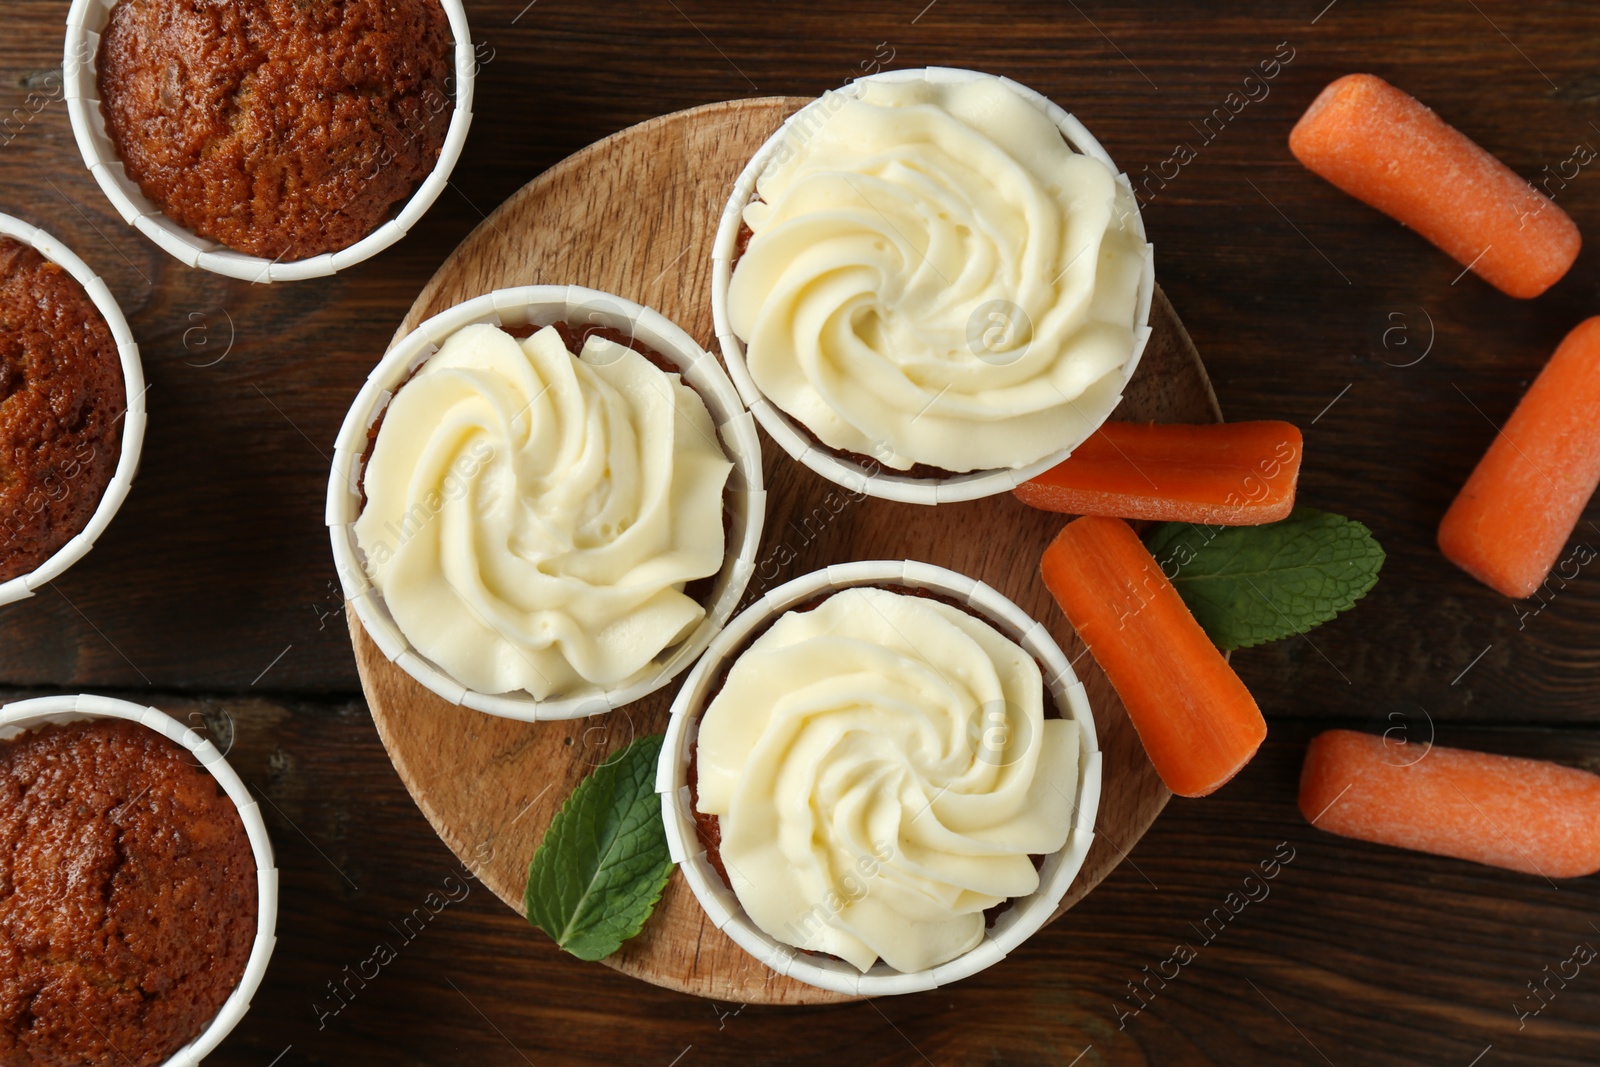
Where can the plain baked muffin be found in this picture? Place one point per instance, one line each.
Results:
(61, 401)
(281, 128)
(127, 896)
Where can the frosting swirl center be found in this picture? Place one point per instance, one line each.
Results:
(882, 772)
(935, 277)
(533, 516)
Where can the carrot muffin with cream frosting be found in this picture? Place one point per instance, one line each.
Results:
(883, 774)
(537, 517)
(936, 281)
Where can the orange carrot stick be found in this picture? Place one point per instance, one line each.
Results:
(1387, 149)
(1197, 720)
(1524, 814)
(1510, 521)
(1224, 474)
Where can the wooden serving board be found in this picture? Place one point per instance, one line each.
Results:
(635, 214)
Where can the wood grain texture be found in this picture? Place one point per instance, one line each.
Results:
(217, 570)
(489, 783)
(1376, 957)
(1288, 286)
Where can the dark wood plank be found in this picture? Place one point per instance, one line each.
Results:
(1378, 957)
(219, 563)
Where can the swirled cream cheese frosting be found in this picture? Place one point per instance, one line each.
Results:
(882, 770)
(935, 277)
(532, 516)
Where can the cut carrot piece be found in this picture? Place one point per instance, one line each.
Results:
(1197, 720)
(1510, 521)
(1224, 474)
(1524, 814)
(1387, 149)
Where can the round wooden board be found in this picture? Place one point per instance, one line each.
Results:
(635, 214)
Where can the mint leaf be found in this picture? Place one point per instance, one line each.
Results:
(1247, 585)
(596, 876)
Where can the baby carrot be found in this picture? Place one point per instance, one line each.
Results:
(1524, 814)
(1387, 149)
(1198, 722)
(1510, 521)
(1222, 474)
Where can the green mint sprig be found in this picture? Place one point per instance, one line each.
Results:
(1247, 585)
(596, 876)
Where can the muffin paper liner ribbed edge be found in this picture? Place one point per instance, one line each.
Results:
(26, 715)
(87, 18)
(133, 419)
(543, 305)
(1016, 924)
(788, 432)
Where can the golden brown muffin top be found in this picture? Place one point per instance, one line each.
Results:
(61, 403)
(281, 128)
(127, 896)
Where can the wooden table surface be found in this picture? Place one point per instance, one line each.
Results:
(213, 592)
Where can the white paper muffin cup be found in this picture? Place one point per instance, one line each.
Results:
(26, 715)
(133, 420)
(87, 18)
(1017, 923)
(789, 432)
(543, 305)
